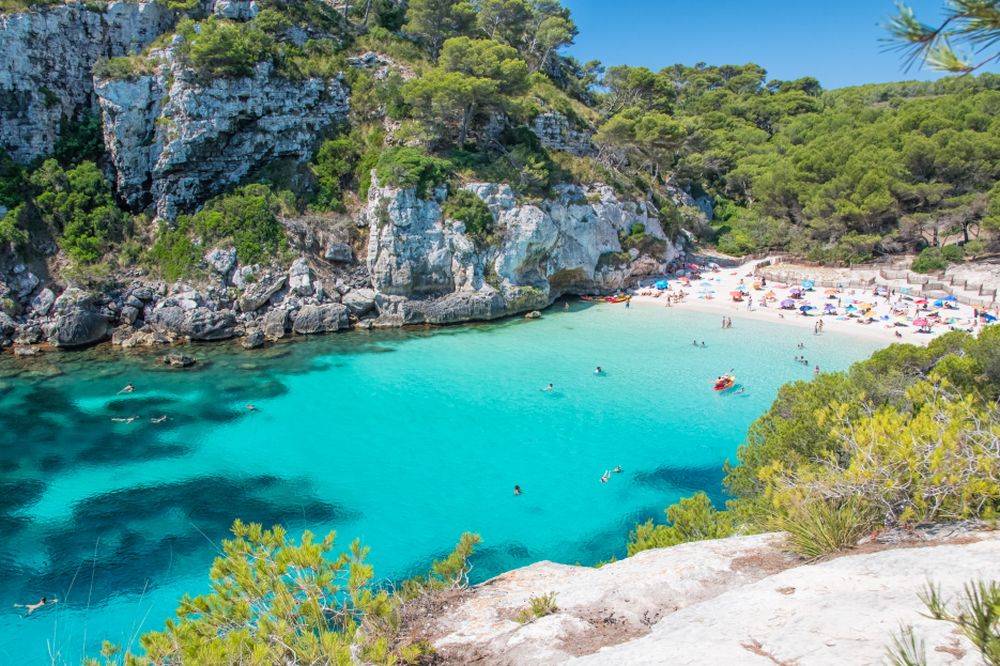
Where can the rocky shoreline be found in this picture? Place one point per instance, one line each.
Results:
(420, 268)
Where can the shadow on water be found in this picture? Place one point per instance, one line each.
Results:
(141, 532)
(686, 480)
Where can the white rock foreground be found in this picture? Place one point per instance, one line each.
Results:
(740, 600)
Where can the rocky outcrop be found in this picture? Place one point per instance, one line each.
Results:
(741, 600)
(47, 57)
(175, 139)
(327, 318)
(426, 269)
(556, 132)
(79, 327)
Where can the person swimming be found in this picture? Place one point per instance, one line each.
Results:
(119, 419)
(598, 371)
(517, 490)
(251, 408)
(694, 343)
(702, 344)
(128, 388)
(617, 469)
(159, 419)
(606, 476)
(548, 388)
(33, 607)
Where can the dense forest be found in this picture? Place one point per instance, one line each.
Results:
(843, 175)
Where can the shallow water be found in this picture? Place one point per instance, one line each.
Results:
(404, 439)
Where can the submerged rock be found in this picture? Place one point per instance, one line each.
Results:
(253, 339)
(177, 360)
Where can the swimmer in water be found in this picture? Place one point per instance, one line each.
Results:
(251, 408)
(128, 388)
(694, 343)
(617, 469)
(606, 476)
(548, 388)
(119, 419)
(33, 607)
(702, 344)
(517, 490)
(159, 419)
(598, 371)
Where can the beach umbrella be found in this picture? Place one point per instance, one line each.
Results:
(712, 264)
(989, 317)
(806, 308)
(736, 294)
(921, 322)
(830, 307)
(830, 292)
(949, 298)
(743, 289)
(788, 304)
(851, 308)
(938, 303)
(921, 301)
(662, 284)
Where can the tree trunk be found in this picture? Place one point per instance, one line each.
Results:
(368, 8)
(464, 130)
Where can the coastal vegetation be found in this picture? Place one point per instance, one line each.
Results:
(835, 176)
(911, 435)
(277, 601)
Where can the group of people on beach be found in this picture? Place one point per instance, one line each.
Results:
(727, 322)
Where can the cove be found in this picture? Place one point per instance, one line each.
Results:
(403, 439)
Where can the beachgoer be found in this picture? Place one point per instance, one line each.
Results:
(617, 469)
(517, 490)
(159, 419)
(566, 305)
(606, 476)
(627, 303)
(898, 334)
(723, 322)
(119, 419)
(816, 371)
(33, 607)
(128, 388)
(739, 390)
(251, 408)
(694, 343)
(598, 370)
(548, 388)
(702, 344)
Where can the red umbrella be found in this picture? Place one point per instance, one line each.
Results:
(921, 301)
(921, 322)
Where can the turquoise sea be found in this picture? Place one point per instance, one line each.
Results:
(402, 438)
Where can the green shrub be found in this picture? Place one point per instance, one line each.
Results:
(692, 519)
(410, 167)
(13, 181)
(174, 254)
(79, 140)
(818, 527)
(12, 225)
(538, 607)
(929, 260)
(220, 48)
(333, 166)
(78, 206)
(245, 216)
(466, 207)
(124, 68)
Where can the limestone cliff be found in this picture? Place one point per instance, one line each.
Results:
(48, 56)
(175, 140)
(426, 269)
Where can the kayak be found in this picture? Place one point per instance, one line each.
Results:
(727, 381)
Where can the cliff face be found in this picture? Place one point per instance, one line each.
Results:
(175, 140)
(426, 269)
(47, 59)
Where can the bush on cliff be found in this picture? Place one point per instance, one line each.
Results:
(247, 217)
(466, 207)
(274, 601)
(411, 167)
(175, 254)
(79, 208)
(219, 48)
(908, 436)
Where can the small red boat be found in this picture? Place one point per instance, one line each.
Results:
(724, 382)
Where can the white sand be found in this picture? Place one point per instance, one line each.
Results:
(727, 280)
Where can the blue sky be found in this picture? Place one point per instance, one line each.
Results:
(835, 41)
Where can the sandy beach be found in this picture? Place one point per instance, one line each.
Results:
(728, 280)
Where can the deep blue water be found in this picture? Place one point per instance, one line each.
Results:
(404, 439)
